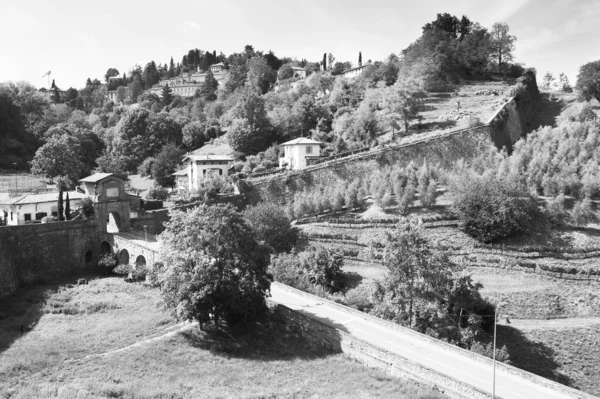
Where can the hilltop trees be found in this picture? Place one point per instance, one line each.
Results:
(211, 266)
(503, 44)
(58, 157)
(588, 81)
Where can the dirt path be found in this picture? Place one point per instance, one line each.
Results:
(553, 324)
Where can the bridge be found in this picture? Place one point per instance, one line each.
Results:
(131, 247)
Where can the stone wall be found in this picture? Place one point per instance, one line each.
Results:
(378, 357)
(36, 252)
(155, 220)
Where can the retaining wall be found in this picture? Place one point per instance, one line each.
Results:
(30, 253)
(336, 339)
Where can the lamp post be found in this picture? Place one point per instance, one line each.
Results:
(146, 233)
(16, 180)
(494, 352)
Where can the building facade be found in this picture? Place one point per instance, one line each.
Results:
(31, 208)
(197, 167)
(186, 84)
(356, 72)
(300, 153)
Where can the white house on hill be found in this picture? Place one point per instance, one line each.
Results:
(201, 165)
(300, 153)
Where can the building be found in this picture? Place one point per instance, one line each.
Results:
(187, 83)
(355, 72)
(31, 208)
(112, 96)
(299, 72)
(199, 166)
(109, 189)
(181, 179)
(300, 153)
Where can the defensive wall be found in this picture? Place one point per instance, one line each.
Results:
(512, 121)
(335, 339)
(36, 252)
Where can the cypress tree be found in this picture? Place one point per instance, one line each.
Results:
(167, 96)
(59, 209)
(67, 208)
(324, 61)
(360, 58)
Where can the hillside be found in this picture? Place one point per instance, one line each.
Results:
(17, 144)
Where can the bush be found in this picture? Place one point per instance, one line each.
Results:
(108, 262)
(488, 350)
(323, 267)
(87, 207)
(582, 213)
(158, 193)
(272, 226)
(490, 208)
(360, 298)
(150, 205)
(555, 210)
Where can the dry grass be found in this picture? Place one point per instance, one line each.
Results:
(73, 351)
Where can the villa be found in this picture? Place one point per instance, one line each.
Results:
(300, 153)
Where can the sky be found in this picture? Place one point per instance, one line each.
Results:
(75, 40)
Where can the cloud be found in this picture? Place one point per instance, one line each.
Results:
(192, 25)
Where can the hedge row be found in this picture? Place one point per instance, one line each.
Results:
(540, 249)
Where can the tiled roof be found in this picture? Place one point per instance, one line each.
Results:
(301, 140)
(96, 177)
(42, 198)
(182, 172)
(208, 157)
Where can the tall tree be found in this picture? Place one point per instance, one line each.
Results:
(67, 207)
(167, 95)
(324, 62)
(60, 207)
(401, 104)
(588, 81)
(330, 60)
(209, 87)
(58, 157)
(503, 43)
(360, 58)
(260, 75)
(211, 266)
(165, 164)
(171, 71)
(110, 73)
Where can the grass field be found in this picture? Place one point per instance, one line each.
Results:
(110, 339)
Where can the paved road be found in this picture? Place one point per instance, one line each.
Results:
(462, 368)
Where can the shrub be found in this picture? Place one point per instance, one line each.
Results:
(108, 262)
(272, 226)
(87, 207)
(555, 210)
(582, 213)
(287, 269)
(158, 193)
(490, 208)
(360, 298)
(323, 267)
(587, 113)
(150, 205)
(487, 350)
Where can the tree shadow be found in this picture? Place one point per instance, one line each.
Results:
(435, 125)
(548, 111)
(269, 337)
(532, 356)
(350, 280)
(21, 311)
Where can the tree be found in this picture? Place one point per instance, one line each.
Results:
(272, 226)
(401, 104)
(330, 60)
(121, 94)
(415, 271)
(150, 75)
(58, 157)
(285, 72)
(260, 75)
(59, 207)
(251, 130)
(193, 135)
(588, 81)
(360, 58)
(548, 81)
(167, 95)
(67, 207)
(208, 90)
(110, 73)
(211, 266)
(502, 43)
(165, 164)
(563, 83)
(324, 62)
(171, 71)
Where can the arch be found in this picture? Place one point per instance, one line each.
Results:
(123, 257)
(89, 256)
(140, 261)
(113, 222)
(105, 248)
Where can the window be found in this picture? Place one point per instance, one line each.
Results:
(54, 213)
(40, 215)
(28, 217)
(309, 150)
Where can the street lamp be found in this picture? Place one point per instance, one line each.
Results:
(146, 233)
(494, 352)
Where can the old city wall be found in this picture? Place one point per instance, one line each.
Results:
(37, 252)
(337, 340)
(155, 220)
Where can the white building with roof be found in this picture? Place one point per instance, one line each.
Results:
(31, 208)
(186, 84)
(356, 72)
(300, 153)
(198, 166)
